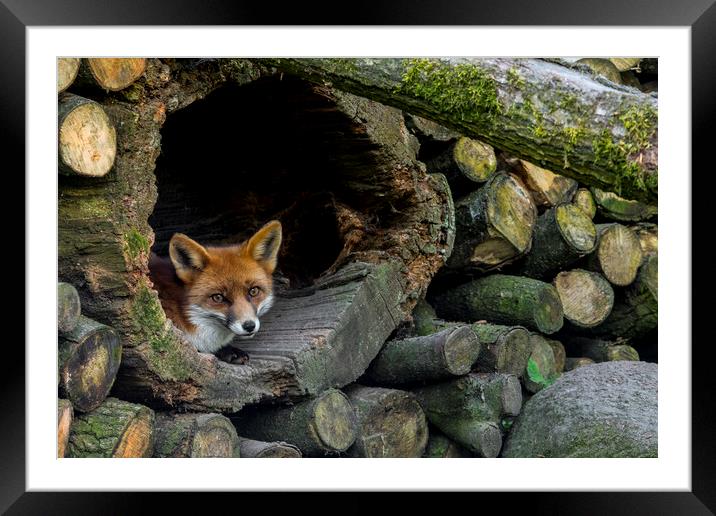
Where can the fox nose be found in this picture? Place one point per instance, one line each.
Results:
(248, 326)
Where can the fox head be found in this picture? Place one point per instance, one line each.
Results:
(227, 288)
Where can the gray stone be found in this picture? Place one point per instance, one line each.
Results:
(600, 410)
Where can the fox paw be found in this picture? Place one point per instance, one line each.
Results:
(232, 355)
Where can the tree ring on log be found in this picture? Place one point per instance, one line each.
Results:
(576, 227)
(334, 421)
(236, 145)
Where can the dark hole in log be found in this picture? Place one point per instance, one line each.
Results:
(273, 149)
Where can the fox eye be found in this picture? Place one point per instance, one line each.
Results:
(254, 291)
(217, 298)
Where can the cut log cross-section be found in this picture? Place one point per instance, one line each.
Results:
(541, 370)
(391, 423)
(251, 449)
(547, 188)
(68, 307)
(506, 348)
(511, 300)
(447, 353)
(67, 68)
(89, 358)
(87, 138)
(618, 255)
(584, 200)
(494, 225)
(587, 298)
(465, 163)
(319, 426)
(116, 429)
(114, 74)
(562, 236)
(194, 435)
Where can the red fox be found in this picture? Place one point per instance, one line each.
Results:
(214, 294)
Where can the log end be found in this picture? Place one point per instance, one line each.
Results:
(334, 421)
(461, 350)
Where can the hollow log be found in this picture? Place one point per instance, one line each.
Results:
(391, 423)
(89, 358)
(319, 426)
(636, 309)
(465, 163)
(499, 298)
(87, 138)
(587, 297)
(385, 228)
(111, 73)
(116, 429)
(442, 447)
(541, 370)
(194, 435)
(65, 414)
(610, 141)
(251, 449)
(603, 350)
(447, 353)
(493, 225)
(618, 255)
(575, 362)
(68, 307)
(470, 408)
(612, 207)
(584, 200)
(562, 236)
(547, 188)
(506, 349)
(67, 68)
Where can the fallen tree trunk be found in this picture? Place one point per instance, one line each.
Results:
(319, 426)
(195, 435)
(391, 423)
(610, 143)
(493, 225)
(511, 300)
(469, 409)
(251, 449)
(447, 353)
(89, 358)
(116, 429)
(68, 307)
(562, 236)
(65, 414)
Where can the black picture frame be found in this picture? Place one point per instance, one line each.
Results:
(17, 15)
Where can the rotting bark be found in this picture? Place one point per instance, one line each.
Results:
(518, 105)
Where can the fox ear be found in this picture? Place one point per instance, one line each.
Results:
(263, 246)
(188, 257)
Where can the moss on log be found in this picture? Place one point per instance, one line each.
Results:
(251, 449)
(612, 207)
(89, 358)
(465, 163)
(447, 353)
(116, 429)
(506, 349)
(67, 68)
(562, 236)
(511, 300)
(493, 225)
(618, 255)
(68, 307)
(87, 140)
(195, 435)
(65, 414)
(391, 423)
(541, 370)
(587, 297)
(319, 426)
(470, 408)
(584, 200)
(609, 142)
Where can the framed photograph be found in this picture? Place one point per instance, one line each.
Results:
(374, 191)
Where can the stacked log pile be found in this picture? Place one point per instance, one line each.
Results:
(472, 249)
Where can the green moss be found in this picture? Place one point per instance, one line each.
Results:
(149, 323)
(464, 90)
(515, 79)
(135, 244)
(84, 207)
(536, 375)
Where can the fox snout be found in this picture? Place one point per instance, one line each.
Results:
(244, 328)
